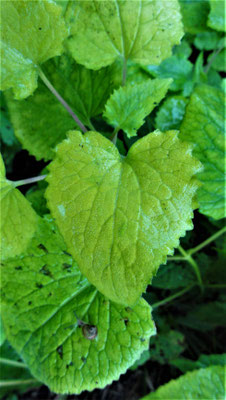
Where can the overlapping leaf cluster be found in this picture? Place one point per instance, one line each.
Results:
(123, 193)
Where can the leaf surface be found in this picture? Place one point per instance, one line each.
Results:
(171, 113)
(129, 105)
(217, 15)
(143, 31)
(206, 383)
(39, 128)
(43, 294)
(185, 364)
(31, 33)
(204, 126)
(120, 217)
(18, 219)
(195, 13)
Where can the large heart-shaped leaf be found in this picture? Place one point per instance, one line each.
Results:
(120, 217)
(43, 294)
(143, 31)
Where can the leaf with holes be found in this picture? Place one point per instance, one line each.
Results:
(128, 106)
(143, 31)
(204, 126)
(31, 33)
(120, 217)
(40, 306)
(18, 219)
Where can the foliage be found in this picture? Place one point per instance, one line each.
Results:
(120, 105)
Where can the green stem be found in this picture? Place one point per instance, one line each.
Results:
(61, 100)
(12, 363)
(114, 135)
(173, 296)
(193, 264)
(29, 180)
(176, 258)
(207, 241)
(216, 286)
(206, 69)
(18, 382)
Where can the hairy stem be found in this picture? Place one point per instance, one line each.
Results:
(61, 100)
(114, 135)
(176, 258)
(173, 296)
(193, 264)
(207, 241)
(29, 180)
(18, 382)
(12, 363)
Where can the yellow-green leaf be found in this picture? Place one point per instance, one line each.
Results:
(120, 217)
(31, 33)
(143, 31)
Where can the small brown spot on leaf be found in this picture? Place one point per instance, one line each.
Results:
(60, 351)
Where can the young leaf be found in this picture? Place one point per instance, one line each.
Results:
(40, 306)
(207, 40)
(18, 219)
(177, 68)
(206, 383)
(216, 19)
(128, 106)
(204, 125)
(120, 217)
(171, 113)
(195, 13)
(31, 33)
(39, 128)
(185, 364)
(143, 31)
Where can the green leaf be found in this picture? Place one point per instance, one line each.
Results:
(176, 68)
(202, 384)
(218, 61)
(2, 332)
(204, 126)
(205, 316)
(173, 276)
(194, 13)
(207, 40)
(143, 31)
(31, 33)
(129, 105)
(120, 217)
(184, 364)
(18, 220)
(216, 19)
(166, 346)
(36, 197)
(39, 128)
(183, 50)
(145, 356)
(13, 372)
(171, 113)
(40, 306)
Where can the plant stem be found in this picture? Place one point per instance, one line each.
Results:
(18, 382)
(12, 363)
(176, 258)
(124, 71)
(206, 69)
(29, 180)
(193, 264)
(216, 286)
(172, 297)
(114, 135)
(62, 101)
(207, 241)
